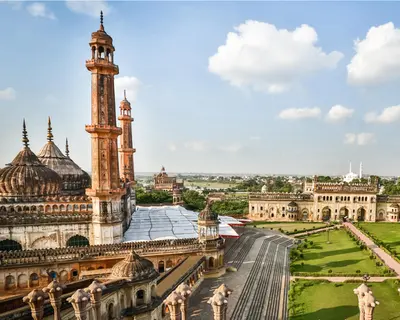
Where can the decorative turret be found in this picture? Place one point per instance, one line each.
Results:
(208, 223)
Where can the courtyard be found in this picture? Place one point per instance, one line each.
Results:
(310, 300)
(340, 256)
(389, 233)
(288, 226)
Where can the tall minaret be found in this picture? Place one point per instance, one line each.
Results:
(361, 170)
(126, 150)
(350, 168)
(106, 191)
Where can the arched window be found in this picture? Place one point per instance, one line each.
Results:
(211, 262)
(10, 283)
(169, 264)
(77, 241)
(161, 268)
(33, 280)
(110, 311)
(22, 281)
(140, 296)
(10, 245)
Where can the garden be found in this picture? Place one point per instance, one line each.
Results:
(289, 227)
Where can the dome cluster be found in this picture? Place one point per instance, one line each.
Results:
(51, 173)
(134, 268)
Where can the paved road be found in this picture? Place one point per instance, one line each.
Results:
(386, 258)
(259, 286)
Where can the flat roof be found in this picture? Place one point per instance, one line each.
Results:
(171, 222)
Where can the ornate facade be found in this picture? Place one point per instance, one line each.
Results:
(321, 201)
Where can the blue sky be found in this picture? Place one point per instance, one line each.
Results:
(259, 105)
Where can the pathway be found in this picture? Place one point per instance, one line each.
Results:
(307, 233)
(343, 279)
(386, 258)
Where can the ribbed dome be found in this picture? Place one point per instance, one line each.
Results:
(26, 176)
(206, 214)
(134, 268)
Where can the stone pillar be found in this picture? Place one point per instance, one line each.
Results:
(226, 292)
(219, 305)
(54, 290)
(369, 305)
(360, 292)
(79, 301)
(184, 290)
(35, 299)
(174, 302)
(96, 289)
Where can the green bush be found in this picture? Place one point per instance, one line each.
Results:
(358, 271)
(330, 271)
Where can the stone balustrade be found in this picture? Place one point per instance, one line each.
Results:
(280, 196)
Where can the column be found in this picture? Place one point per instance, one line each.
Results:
(360, 292)
(174, 302)
(369, 305)
(96, 289)
(54, 290)
(79, 301)
(35, 299)
(184, 290)
(226, 292)
(219, 306)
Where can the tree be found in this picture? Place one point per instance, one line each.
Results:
(193, 200)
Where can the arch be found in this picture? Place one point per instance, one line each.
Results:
(381, 215)
(10, 245)
(55, 208)
(343, 213)
(326, 214)
(9, 283)
(74, 274)
(211, 262)
(361, 214)
(169, 264)
(62, 208)
(52, 275)
(304, 215)
(82, 207)
(22, 281)
(77, 241)
(161, 268)
(110, 311)
(64, 276)
(140, 297)
(41, 208)
(47, 208)
(122, 302)
(18, 209)
(69, 208)
(33, 280)
(44, 243)
(153, 291)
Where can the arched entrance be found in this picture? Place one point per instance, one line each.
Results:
(361, 214)
(343, 214)
(77, 241)
(10, 245)
(304, 215)
(326, 214)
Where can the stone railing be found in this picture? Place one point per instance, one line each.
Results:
(145, 248)
(280, 196)
(14, 220)
(387, 198)
(344, 187)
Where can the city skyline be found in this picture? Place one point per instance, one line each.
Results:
(257, 89)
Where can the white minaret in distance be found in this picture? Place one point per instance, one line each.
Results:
(361, 170)
(350, 168)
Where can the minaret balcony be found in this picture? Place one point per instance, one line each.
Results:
(103, 129)
(99, 63)
(127, 150)
(125, 118)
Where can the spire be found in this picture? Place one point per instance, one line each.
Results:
(124, 94)
(350, 168)
(66, 148)
(25, 139)
(101, 21)
(361, 170)
(49, 131)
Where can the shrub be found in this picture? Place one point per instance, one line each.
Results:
(358, 271)
(330, 271)
(338, 285)
(295, 230)
(305, 246)
(301, 256)
(311, 243)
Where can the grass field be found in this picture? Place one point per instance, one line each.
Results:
(387, 232)
(325, 301)
(290, 227)
(210, 184)
(341, 255)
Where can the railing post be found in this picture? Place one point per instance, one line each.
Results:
(96, 289)
(54, 290)
(174, 302)
(184, 290)
(79, 301)
(35, 299)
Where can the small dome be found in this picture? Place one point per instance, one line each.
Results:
(206, 214)
(134, 268)
(292, 204)
(394, 205)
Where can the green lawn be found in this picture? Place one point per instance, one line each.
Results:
(341, 255)
(210, 184)
(386, 232)
(290, 227)
(325, 301)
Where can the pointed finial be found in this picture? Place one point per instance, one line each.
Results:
(25, 139)
(101, 21)
(49, 131)
(66, 148)
(124, 94)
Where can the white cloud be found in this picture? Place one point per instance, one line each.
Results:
(130, 84)
(377, 56)
(195, 145)
(388, 115)
(38, 9)
(360, 139)
(299, 113)
(260, 56)
(338, 113)
(8, 94)
(255, 138)
(89, 7)
(231, 148)
(172, 147)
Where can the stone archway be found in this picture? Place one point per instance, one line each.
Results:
(304, 215)
(361, 214)
(326, 214)
(381, 215)
(343, 213)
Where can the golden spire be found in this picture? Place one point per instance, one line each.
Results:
(25, 139)
(101, 21)
(49, 130)
(66, 148)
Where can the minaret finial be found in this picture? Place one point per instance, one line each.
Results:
(124, 94)
(66, 148)
(101, 21)
(25, 139)
(49, 131)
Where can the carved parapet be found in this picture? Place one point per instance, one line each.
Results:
(55, 290)
(174, 302)
(184, 290)
(219, 305)
(35, 299)
(79, 301)
(226, 292)
(96, 290)
(259, 196)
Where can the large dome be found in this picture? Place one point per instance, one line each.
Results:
(134, 268)
(74, 179)
(27, 177)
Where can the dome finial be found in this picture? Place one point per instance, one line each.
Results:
(101, 21)
(49, 131)
(124, 94)
(25, 139)
(66, 148)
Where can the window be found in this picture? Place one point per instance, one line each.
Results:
(9, 245)
(283, 208)
(77, 241)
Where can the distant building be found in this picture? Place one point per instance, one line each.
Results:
(349, 177)
(162, 181)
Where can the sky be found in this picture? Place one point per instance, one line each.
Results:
(216, 87)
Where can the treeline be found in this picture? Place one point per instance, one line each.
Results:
(276, 184)
(229, 207)
(155, 196)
